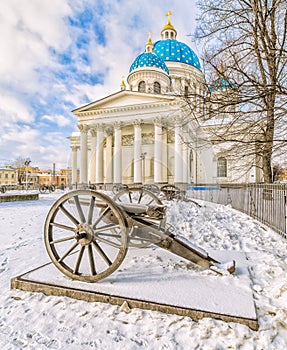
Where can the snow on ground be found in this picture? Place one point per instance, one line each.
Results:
(35, 321)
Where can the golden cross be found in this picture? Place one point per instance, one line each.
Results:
(149, 34)
(168, 16)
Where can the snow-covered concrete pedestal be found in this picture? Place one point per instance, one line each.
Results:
(158, 280)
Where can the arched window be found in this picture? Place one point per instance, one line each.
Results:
(141, 86)
(171, 35)
(221, 167)
(166, 35)
(156, 87)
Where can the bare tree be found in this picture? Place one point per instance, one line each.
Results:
(245, 58)
(21, 165)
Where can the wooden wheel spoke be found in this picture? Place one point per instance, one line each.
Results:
(68, 252)
(109, 235)
(62, 240)
(140, 196)
(106, 228)
(79, 209)
(105, 212)
(64, 227)
(92, 260)
(79, 260)
(111, 243)
(68, 214)
(149, 203)
(91, 210)
(102, 253)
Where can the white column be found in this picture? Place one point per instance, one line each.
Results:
(157, 152)
(178, 162)
(185, 167)
(118, 154)
(99, 155)
(137, 153)
(165, 155)
(109, 157)
(84, 154)
(74, 164)
(93, 156)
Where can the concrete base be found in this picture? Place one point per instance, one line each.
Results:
(154, 279)
(19, 197)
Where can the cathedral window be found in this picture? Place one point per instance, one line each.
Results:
(221, 167)
(141, 87)
(156, 88)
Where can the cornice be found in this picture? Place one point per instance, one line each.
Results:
(130, 108)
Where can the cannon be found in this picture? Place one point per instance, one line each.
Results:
(47, 188)
(87, 233)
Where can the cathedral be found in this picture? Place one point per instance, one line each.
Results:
(152, 130)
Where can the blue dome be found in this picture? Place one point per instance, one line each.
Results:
(149, 59)
(176, 51)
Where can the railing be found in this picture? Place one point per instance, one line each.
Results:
(265, 202)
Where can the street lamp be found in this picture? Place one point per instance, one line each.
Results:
(26, 163)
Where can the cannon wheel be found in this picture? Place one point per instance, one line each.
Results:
(52, 188)
(170, 192)
(139, 195)
(86, 235)
(152, 188)
(43, 189)
(119, 187)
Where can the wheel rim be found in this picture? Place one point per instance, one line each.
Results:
(86, 235)
(137, 195)
(42, 189)
(152, 188)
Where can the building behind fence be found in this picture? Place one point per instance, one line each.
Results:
(264, 202)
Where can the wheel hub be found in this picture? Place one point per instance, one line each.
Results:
(84, 234)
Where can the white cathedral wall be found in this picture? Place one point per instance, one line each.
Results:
(206, 166)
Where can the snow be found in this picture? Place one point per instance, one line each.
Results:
(150, 281)
(35, 321)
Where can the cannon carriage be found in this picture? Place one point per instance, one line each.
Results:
(87, 233)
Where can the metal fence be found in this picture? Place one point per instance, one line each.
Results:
(265, 202)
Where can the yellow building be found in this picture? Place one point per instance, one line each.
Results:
(8, 176)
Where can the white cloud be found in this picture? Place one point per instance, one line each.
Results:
(59, 120)
(28, 29)
(13, 109)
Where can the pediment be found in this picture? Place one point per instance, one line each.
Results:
(124, 99)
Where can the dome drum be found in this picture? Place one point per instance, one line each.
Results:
(155, 81)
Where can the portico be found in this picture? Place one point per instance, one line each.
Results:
(144, 151)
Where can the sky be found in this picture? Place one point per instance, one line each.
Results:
(57, 55)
